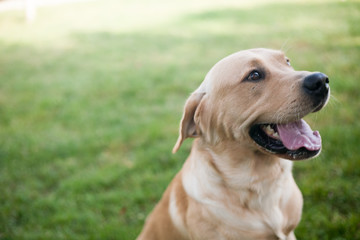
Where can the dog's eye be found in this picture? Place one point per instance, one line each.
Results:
(254, 76)
(288, 62)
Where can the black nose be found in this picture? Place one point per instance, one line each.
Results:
(316, 85)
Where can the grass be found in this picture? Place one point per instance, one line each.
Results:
(91, 95)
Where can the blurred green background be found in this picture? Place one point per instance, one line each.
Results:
(91, 94)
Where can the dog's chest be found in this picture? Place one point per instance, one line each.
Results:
(256, 212)
(261, 218)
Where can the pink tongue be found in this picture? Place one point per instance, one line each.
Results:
(298, 134)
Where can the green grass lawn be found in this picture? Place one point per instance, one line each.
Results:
(91, 95)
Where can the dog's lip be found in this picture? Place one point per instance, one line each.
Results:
(293, 140)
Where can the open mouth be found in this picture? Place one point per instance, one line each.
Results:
(294, 141)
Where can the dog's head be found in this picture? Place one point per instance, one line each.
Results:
(255, 97)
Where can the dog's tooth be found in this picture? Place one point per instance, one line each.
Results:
(263, 128)
(269, 130)
(276, 135)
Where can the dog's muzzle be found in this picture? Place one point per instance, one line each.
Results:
(295, 140)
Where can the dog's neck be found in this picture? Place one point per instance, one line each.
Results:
(239, 179)
(239, 168)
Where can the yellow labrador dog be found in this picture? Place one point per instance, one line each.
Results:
(237, 183)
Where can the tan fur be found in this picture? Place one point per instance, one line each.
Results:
(228, 188)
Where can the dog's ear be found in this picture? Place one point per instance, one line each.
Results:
(187, 124)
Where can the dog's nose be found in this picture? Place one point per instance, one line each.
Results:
(317, 85)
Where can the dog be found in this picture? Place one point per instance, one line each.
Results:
(237, 183)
